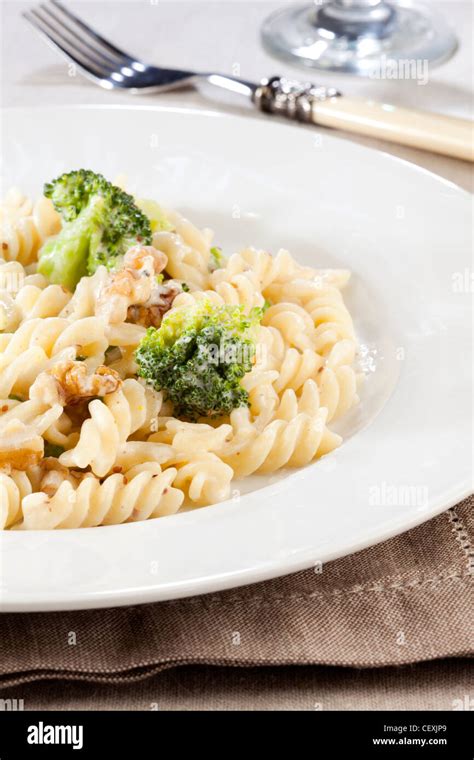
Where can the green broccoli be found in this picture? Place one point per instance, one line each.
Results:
(100, 223)
(198, 356)
(155, 214)
(52, 450)
(217, 260)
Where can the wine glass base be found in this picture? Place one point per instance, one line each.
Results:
(413, 35)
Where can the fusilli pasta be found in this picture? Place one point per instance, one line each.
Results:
(132, 408)
(26, 296)
(142, 492)
(13, 489)
(85, 441)
(25, 226)
(188, 251)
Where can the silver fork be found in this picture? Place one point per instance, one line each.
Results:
(112, 68)
(109, 67)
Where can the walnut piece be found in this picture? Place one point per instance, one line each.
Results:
(76, 383)
(49, 474)
(132, 284)
(69, 382)
(150, 313)
(20, 447)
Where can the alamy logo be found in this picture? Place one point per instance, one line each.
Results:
(391, 495)
(401, 68)
(466, 703)
(11, 705)
(12, 281)
(46, 734)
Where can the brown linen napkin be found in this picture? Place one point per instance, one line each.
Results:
(435, 685)
(407, 600)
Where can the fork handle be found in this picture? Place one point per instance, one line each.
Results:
(328, 108)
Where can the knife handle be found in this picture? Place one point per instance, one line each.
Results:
(405, 126)
(325, 107)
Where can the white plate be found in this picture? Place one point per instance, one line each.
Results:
(405, 235)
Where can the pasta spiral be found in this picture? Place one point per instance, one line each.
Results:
(39, 343)
(12, 490)
(25, 226)
(189, 437)
(133, 453)
(129, 409)
(61, 432)
(325, 306)
(83, 302)
(200, 473)
(204, 478)
(337, 381)
(266, 268)
(293, 366)
(143, 492)
(26, 296)
(294, 324)
(187, 249)
(280, 270)
(22, 428)
(239, 290)
(281, 443)
(55, 334)
(32, 413)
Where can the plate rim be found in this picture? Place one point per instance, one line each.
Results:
(333, 134)
(200, 585)
(191, 588)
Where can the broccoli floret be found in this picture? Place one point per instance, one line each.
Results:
(198, 356)
(52, 450)
(100, 223)
(217, 260)
(155, 214)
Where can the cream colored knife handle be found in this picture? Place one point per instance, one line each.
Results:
(418, 129)
(328, 108)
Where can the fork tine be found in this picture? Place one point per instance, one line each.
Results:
(64, 47)
(86, 40)
(92, 35)
(73, 38)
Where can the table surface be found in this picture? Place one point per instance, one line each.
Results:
(224, 37)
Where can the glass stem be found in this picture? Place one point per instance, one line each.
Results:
(350, 17)
(359, 4)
